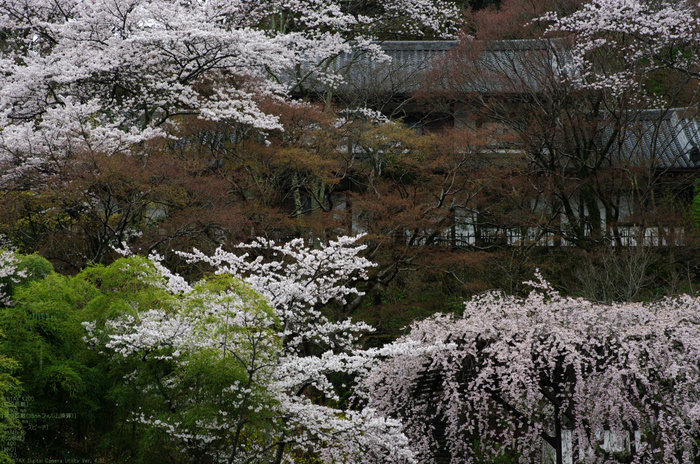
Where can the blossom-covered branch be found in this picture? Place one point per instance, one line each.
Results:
(548, 368)
(270, 359)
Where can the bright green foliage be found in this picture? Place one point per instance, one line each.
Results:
(33, 267)
(62, 382)
(206, 398)
(124, 287)
(82, 403)
(16, 270)
(11, 432)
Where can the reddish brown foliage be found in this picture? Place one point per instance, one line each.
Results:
(513, 19)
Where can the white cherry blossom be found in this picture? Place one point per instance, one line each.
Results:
(289, 352)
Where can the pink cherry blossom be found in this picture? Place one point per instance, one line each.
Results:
(514, 373)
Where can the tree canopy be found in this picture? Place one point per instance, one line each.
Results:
(596, 382)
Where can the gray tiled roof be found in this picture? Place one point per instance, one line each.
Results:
(666, 139)
(403, 73)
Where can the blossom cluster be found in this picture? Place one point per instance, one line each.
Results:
(618, 43)
(549, 368)
(106, 75)
(258, 315)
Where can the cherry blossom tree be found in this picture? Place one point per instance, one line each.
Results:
(9, 274)
(204, 356)
(105, 75)
(641, 37)
(298, 281)
(277, 389)
(90, 88)
(596, 382)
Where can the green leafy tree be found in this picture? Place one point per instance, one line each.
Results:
(11, 432)
(62, 382)
(194, 363)
(200, 389)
